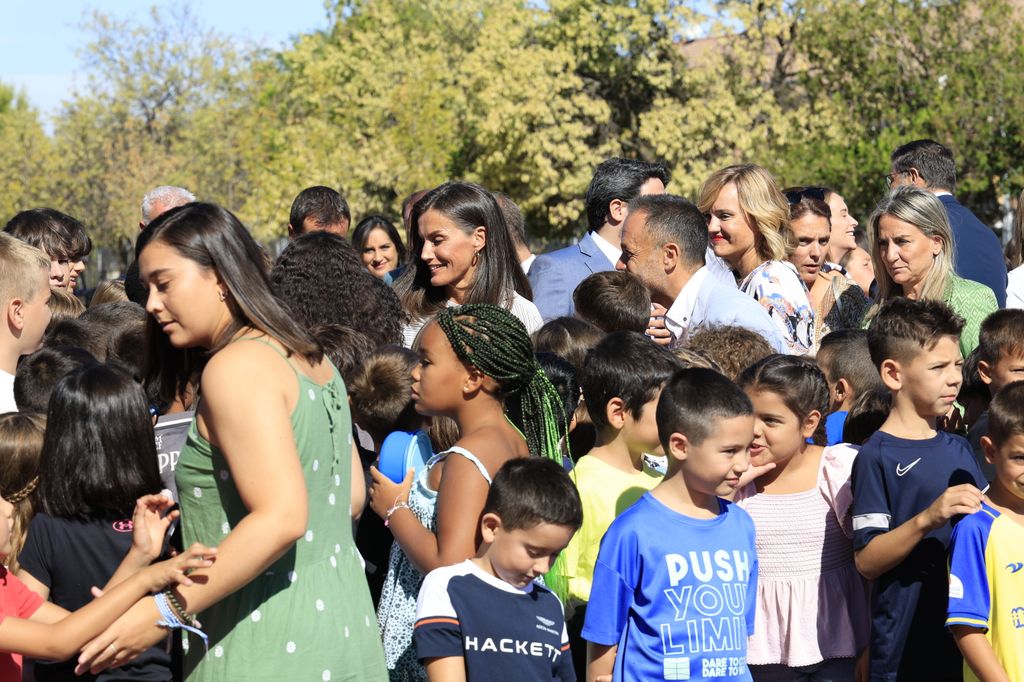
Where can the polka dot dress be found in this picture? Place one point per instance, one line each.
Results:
(309, 615)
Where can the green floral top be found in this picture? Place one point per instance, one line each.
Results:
(973, 302)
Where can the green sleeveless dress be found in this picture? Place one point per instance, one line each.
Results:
(309, 615)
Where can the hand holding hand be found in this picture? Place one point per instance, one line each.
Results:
(175, 570)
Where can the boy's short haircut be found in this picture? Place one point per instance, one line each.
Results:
(531, 490)
(693, 399)
(845, 354)
(614, 301)
(1006, 414)
(20, 264)
(567, 337)
(347, 348)
(63, 304)
(903, 328)
(39, 373)
(624, 365)
(125, 323)
(323, 205)
(44, 229)
(867, 414)
(78, 333)
(381, 392)
(1001, 335)
(732, 347)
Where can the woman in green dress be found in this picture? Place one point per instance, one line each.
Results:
(267, 473)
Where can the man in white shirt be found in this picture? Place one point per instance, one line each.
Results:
(664, 241)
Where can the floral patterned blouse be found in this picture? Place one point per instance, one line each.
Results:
(776, 285)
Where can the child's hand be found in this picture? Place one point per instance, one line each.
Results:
(959, 499)
(173, 570)
(149, 526)
(385, 493)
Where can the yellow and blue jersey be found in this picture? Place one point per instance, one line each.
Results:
(986, 585)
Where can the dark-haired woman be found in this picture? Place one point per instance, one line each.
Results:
(464, 254)
(379, 246)
(266, 473)
(98, 457)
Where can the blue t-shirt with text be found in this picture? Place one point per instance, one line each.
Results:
(675, 593)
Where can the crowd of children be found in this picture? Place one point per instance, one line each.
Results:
(595, 505)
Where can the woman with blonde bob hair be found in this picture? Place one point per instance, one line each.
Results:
(748, 220)
(912, 253)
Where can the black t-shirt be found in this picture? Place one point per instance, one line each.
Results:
(70, 556)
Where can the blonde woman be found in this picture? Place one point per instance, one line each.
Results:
(912, 251)
(747, 219)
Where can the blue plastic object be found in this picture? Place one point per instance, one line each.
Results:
(404, 450)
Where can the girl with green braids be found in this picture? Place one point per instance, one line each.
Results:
(474, 360)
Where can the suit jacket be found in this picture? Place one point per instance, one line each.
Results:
(554, 276)
(978, 255)
(719, 304)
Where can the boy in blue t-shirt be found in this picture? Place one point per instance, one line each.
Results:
(845, 359)
(486, 619)
(909, 482)
(674, 587)
(986, 572)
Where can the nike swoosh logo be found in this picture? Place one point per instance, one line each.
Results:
(902, 470)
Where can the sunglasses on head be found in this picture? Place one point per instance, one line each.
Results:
(795, 196)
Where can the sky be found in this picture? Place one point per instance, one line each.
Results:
(39, 39)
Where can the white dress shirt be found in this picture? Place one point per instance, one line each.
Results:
(677, 318)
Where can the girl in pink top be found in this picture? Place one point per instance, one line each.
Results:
(812, 611)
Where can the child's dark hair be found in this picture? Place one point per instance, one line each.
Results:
(624, 365)
(796, 380)
(77, 333)
(845, 354)
(1001, 335)
(693, 399)
(614, 301)
(902, 328)
(345, 347)
(562, 376)
(732, 347)
(1006, 413)
(567, 337)
(125, 326)
(867, 414)
(494, 341)
(529, 490)
(381, 392)
(973, 389)
(38, 374)
(98, 412)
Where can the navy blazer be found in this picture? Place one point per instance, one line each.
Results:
(554, 276)
(978, 255)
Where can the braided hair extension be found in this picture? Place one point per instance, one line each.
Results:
(494, 341)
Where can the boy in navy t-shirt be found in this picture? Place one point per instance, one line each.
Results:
(909, 482)
(674, 587)
(486, 618)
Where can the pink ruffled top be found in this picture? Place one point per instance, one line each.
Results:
(812, 605)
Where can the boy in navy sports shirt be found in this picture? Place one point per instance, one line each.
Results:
(909, 482)
(486, 618)
(675, 583)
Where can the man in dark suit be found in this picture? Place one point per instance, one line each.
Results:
(616, 182)
(978, 254)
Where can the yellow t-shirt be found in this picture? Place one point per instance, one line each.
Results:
(605, 492)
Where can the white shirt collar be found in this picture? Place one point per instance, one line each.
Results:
(610, 251)
(678, 317)
(942, 193)
(528, 262)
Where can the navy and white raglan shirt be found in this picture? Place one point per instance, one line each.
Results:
(679, 601)
(504, 633)
(894, 479)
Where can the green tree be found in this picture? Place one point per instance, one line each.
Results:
(27, 154)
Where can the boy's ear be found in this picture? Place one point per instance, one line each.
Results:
(985, 372)
(678, 447)
(490, 523)
(842, 391)
(990, 449)
(810, 424)
(15, 313)
(615, 413)
(892, 374)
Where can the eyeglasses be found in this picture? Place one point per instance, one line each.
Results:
(891, 178)
(796, 195)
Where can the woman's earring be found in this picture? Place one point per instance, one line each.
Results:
(223, 296)
(476, 258)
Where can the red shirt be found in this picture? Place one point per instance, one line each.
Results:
(18, 601)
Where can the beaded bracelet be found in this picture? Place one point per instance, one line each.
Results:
(179, 610)
(171, 620)
(398, 505)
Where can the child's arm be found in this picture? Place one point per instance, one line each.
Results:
(149, 529)
(886, 550)
(600, 662)
(63, 639)
(448, 669)
(979, 654)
